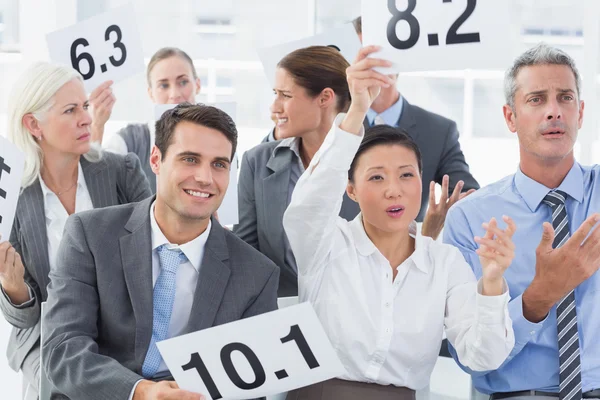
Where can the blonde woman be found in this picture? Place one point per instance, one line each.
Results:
(48, 120)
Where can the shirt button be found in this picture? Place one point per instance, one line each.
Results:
(532, 332)
(387, 305)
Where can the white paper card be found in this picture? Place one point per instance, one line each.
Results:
(343, 38)
(228, 212)
(259, 356)
(106, 46)
(434, 35)
(12, 163)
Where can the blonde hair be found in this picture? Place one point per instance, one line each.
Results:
(33, 93)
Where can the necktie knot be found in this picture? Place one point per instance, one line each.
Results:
(170, 259)
(379, 120)
(555, 198)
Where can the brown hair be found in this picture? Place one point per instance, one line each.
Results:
(201, 114)
(357, 22)
(163, 54)
(318, 67)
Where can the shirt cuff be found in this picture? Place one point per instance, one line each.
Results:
(492, 309)
(525, 330)
(345, 144)
(26, 304)
(133, 390)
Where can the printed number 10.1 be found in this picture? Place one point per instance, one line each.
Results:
(197, 363)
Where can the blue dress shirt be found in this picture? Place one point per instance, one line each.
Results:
(533, 363)
(391, 116)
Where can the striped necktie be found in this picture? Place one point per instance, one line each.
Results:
(566, 313)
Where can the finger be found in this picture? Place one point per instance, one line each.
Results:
(432, 194)
(369, 63)
(445, 184)
(581, 233)
(495, 245)
(592, 241)
(547, 237)
(369, 74)
(487, 225)
(456, 193)
(96, 92)
(367, 83)
(511, 226)
(3, 252)
(18, 261)
(502, 236)
(179, 394)
(101, 97)
(361, 74)
(10, 258)
(365, 51)
(465, 194)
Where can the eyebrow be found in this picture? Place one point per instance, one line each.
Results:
(194, 154)
(75, 104)
(166, 79)
(282, 90)
(539, 92)
(381, 167)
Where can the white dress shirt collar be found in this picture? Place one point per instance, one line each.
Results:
(366, 247)
(193, 249)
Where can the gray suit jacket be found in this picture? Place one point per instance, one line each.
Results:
(115, 179)
(437, 138)
(99, 320)
(263, 198)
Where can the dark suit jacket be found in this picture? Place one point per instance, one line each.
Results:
(437, 138)
(98, 324)
(115, 179)
(263, 198)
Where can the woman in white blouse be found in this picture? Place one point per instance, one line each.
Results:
(48, 120)
(384, 294)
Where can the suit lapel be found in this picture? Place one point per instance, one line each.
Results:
(136, 257)
(407, 121)
(33, 232)
(212, 280)
(275, 192)
(97, 180)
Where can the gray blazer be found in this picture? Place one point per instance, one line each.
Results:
(115, 179)
(263, 198)
(99, 316)
(437, 138)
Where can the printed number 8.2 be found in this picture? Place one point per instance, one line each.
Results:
(76, 59)
(452, 37)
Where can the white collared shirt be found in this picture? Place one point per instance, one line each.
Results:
(385, 330)
(187, 276)
(56, 215)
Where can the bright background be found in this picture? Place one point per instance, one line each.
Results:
(222, 37)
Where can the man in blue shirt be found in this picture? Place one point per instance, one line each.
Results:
(554, 202)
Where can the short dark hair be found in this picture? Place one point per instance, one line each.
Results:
(201, 114)
(318, 67)
(357, 22)
(387, 136)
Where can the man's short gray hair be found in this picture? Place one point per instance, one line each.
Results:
(541, 54)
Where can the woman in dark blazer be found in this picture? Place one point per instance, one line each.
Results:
(310, 90)
(64, 174)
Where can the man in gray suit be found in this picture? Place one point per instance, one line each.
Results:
(132, 275)
(436, 136)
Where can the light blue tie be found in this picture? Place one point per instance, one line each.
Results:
(164, 295)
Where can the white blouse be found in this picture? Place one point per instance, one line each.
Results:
(56, 215)
(385, 330)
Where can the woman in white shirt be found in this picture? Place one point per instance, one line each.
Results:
(384, 294)
(48, 120)
(172, 79)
